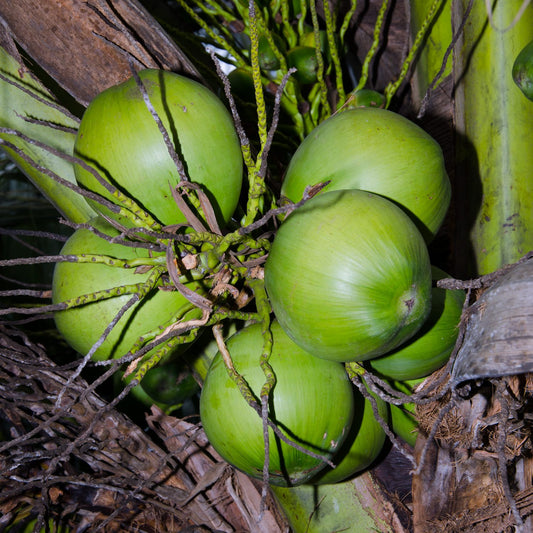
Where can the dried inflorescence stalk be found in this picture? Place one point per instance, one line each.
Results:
(88, 448)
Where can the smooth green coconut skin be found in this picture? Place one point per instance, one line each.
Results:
(119, 137)
(431, 347)
(82, 326)
(166, 386)
(348, 276)
(303, 59)
(523, 70)
(404, 423)
(312, 402)
(403, 419)
(379, 151)
(363, 444)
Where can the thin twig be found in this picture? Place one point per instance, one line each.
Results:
(41, 286)
(32, 233)
(123, 239)
(164, 133)
(26, 292)
(449, 50)
(243, 139)
(62, 181)
(274, 124)
(193, 297)
(482, 281)
(48, 124)
(358, 381)
(309, 192)
(88, 356)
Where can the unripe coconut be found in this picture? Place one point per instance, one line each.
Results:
(523, 70)
(304, 60)
(82, 326)
(312, 403)
(348, 276)
(378, 151)
(431, 347)
(119, 137)
(363, 444)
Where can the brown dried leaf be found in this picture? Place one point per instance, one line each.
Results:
(234, 494)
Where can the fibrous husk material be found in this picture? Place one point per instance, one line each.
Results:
(475, 450)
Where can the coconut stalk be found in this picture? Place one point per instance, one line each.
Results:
(433, 66)
(354, 506)
(493, 122)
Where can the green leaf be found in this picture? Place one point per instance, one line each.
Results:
(23, 97)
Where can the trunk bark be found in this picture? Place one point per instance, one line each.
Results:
(88, 46)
